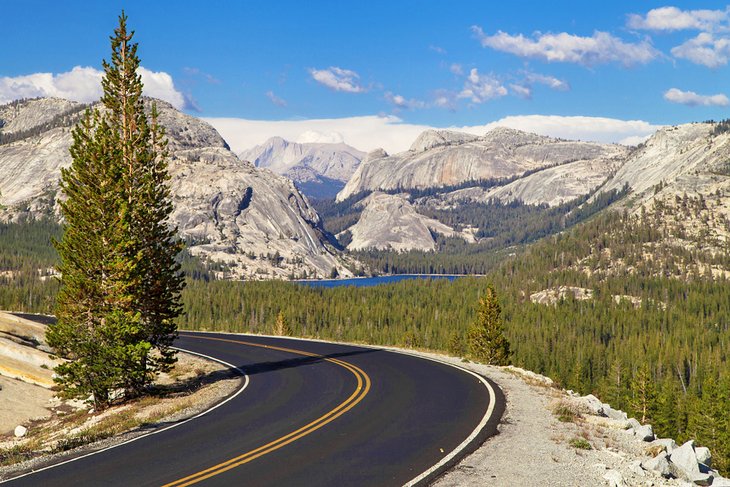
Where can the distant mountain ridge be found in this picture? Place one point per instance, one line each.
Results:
(444, 171)
(318, 169)
(441, 158)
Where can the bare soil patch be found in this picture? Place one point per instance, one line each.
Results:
(58, 428)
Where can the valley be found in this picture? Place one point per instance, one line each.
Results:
(614, 260)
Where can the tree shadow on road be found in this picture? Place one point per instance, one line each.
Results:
(263, 367)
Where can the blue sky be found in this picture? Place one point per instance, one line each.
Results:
(577, 68)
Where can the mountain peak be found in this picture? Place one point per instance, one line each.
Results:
(433, 138)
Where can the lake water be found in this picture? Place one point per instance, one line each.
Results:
(374, 281)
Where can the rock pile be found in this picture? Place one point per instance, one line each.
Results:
(688, 463)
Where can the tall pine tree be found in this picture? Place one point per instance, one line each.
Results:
(121, 284)
(485, 337)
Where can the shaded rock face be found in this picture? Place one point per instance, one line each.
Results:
(323, 163)
(441, 158)
(228, 210)
(390, 222)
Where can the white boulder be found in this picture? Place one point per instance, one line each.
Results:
(644, 432)
(703, 455)
(614, 478)
(658, 464)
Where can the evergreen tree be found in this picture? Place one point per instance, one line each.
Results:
(120, 285)
(281, 327)
(643, 392)
(485, 337)
(152, 239)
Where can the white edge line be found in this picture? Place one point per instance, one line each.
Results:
(473, 435)
(245, 385)
(386, 348)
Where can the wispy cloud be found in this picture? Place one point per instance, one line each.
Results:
(402, 102)
(83, 84)
(692, 99)
(437, 49)
(600, 48)
(457, 69)
(481, 87)
(196, 72)
(279, 102)
(445, 99)
(704, 49)
(338, 79)
(521, 90)
(549, 81)
(672, 19)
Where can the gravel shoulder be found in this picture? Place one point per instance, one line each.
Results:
(533, 448)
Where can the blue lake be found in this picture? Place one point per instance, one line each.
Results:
(374, 281)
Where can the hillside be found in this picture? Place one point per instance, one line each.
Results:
(254, 222)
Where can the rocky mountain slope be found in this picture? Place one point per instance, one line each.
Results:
(443, 158)
(450, 173)
(391, 222)
(552, 186)
(252, 220)
(318, 169)
(681, 179)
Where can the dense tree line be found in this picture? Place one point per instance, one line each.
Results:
(68, 118)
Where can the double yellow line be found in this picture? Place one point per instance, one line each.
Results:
(363, 387)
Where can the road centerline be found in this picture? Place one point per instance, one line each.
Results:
(361, 390)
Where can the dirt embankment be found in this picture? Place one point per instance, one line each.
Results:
(36, 426)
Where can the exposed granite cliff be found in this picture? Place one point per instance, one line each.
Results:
(442, 158)
(228, 210)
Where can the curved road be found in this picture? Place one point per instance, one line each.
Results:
(311, 413)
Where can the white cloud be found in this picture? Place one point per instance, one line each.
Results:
(521, 91)
(692, 99)
(314, 137)
(338, 79)
(598, 129)
(549, 81)
(457, 69)
(160, 85)
(444, 99)
(601, 48)
(705, 49)
(672, 18)
(389, 132)
(83, 84)
(480, 88)
(279, 102)
(400, 101)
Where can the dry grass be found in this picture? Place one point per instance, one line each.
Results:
(192, 383)
(567, 412)
(654, 450)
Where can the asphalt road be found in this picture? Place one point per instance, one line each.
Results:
(311, 413)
